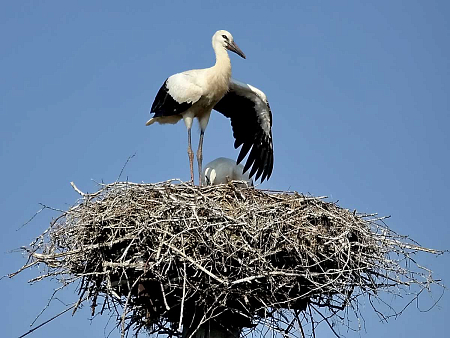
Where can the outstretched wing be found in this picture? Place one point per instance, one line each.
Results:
(251, 119)
(178, 93)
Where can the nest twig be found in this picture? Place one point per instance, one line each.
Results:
(165, 255)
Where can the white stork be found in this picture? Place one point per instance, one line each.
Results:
(223, 169)
(194, 93)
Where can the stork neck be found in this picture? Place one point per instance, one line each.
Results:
(223, 63)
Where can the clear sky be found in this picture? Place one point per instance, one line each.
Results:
(359, 94)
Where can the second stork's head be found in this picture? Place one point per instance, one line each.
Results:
(225, 39)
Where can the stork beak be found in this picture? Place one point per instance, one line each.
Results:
(234, 48)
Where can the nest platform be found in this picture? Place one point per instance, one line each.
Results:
(167, 255)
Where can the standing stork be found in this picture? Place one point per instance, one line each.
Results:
(194, 93)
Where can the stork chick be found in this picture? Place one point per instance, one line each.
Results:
(222, 170)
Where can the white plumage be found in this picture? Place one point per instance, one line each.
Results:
(222, 170)
(194, 93)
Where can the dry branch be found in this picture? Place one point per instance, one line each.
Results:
(167, 252)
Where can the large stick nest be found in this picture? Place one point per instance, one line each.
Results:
(172, 254)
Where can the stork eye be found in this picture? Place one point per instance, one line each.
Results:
(225, 37)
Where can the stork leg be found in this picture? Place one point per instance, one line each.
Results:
(191, 156)
(188, 118)
(200, 157)
(203, 121)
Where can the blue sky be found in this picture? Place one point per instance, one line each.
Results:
(358, 90)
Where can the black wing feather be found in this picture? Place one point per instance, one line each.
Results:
(249, 130)
(165, 105)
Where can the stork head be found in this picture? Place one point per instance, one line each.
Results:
(225, 39)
